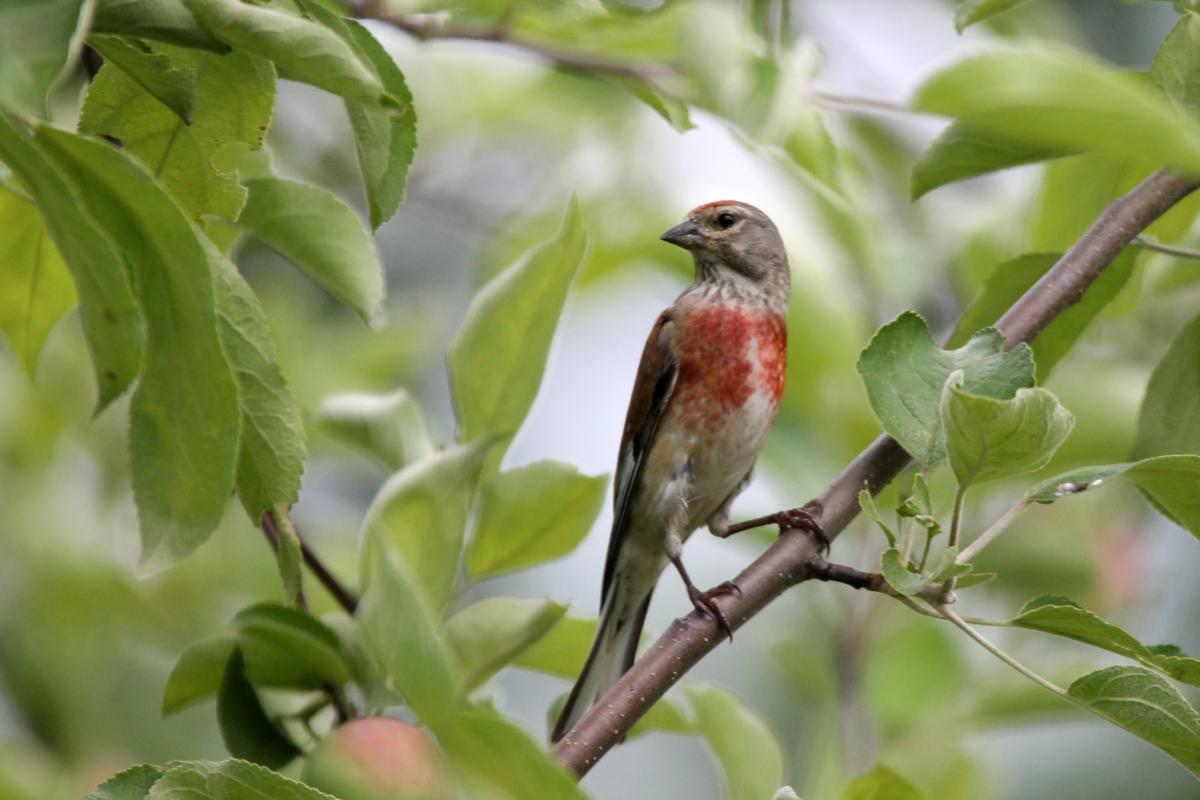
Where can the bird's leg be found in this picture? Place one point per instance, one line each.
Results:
(805, 517)
(718, 523)
(703, 601)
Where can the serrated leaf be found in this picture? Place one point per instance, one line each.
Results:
(184, 418)
(487, 635)
(35, 284)
(867, 503)
(1169, 420)
(160, 20)
(748, 752)
(40, 41)
(130, 784)
(288, 648)
(229, 780)
(319, 234)
(989, 438)
(499, 353)
(1145, 704)
(905, 371)
(235, 94)
(563, 650)
(420, 516)
(968, 12)
(111, 320)
(246, 729)
(1060, 98)
(1176, 68)
(1009, 280)
(390, 427)
(881, 783)
(172, 83)
(961, 151)
(898, 576)
(197, 674)
(533, 514)
(302, 50)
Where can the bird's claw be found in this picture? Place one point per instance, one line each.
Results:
(805, 518)
(704, 603)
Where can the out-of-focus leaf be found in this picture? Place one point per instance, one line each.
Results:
(160, 20)
(533, 514)
(400, 630)
(1176, 69)
(390, 426)
(40, 41)
(898, 576)
(487, 635)
(303, 50)
(271, 452)
(665, 716)
(1011, 279)
(172, 83)
(867, 503)
(881, 783)
(420, 516)
(184, 418)
(905, 371)
(989, 438)
(1054, 97)
(107, 308)
(197, 674)
(229, 780)
(968, 12)
(319, 234)
(563, 650)
(35, 284)
(245, 727)
(746, 749)
(1169, 421)
(961, 152)
(672, 109)
(288, 648)
(1145, 704)
(130, 784)
(234, 97)
(499, 353)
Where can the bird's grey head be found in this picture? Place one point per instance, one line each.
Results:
(728, 235)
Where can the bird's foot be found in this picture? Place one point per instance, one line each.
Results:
(706, 604)
(805, 518)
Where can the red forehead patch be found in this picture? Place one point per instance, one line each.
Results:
(716, 203)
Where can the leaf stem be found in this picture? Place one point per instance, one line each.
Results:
(344, 597)
(992, 532)
(1003, 656)
(1146, 243)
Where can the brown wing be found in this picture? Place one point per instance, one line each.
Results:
(651, 391)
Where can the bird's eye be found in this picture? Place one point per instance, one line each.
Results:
(726, 220)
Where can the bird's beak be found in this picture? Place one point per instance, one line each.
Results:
(686, 234)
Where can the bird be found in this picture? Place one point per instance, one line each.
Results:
(705, 397)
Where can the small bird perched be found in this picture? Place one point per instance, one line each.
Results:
(704, 399)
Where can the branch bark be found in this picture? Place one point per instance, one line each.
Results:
(794, 557)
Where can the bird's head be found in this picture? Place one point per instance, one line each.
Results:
(728, 235)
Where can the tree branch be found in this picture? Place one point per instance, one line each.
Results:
(794, 556)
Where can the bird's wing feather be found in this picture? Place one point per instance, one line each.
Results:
(652, 390)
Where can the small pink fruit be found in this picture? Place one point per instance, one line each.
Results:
(378, 758)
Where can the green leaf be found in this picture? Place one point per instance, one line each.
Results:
(1074, 482)
(400, 630)
(245, 727)
(670, 108)
(271, 452)
(420, 516)
(130, 784)
(184, 418)
(974, 579)
(172, 83)
(112, 323)
(1145, 704)
(499, 354)
(288, 648)
(1058, 98)
(867, 504)
(532, 514)
(666, 716)
(235, 94)
(197, 674)
(1169, 420)
(303, 50)
(390, 426)
(905, 372)
(229, 780)
(1176, 69)
(1010, 280)
(35, 284)
(900, 577)
(945, 567)
(385, 139)
(563, 650)
(487, 635)
(880, 783)
(161, 20)
(968, 12)
(960, 152)
(40, 40)
(989, 438)
(289, 556)
(747, 750)
(319, 234)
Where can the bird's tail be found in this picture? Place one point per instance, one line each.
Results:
(612, 654)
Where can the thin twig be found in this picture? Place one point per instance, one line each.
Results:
(998, 527)
(345, 598)
(1147, 243)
